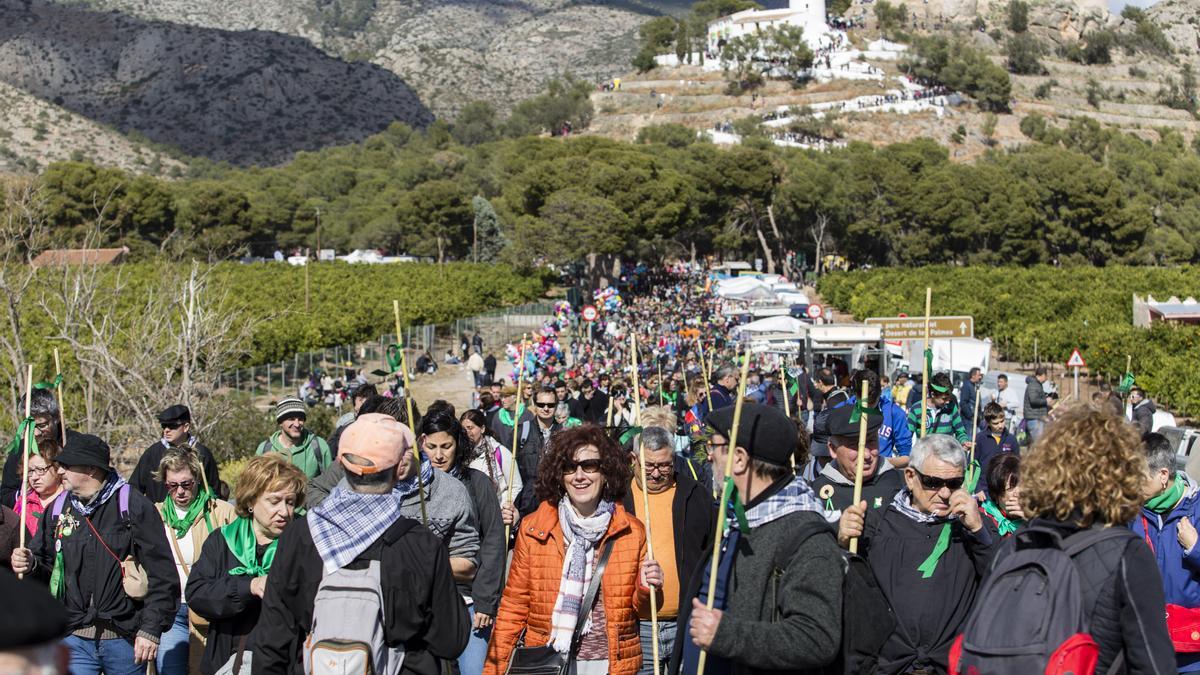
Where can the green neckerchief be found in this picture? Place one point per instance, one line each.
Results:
(239, 537)
(926, 568)
(182, 525)
(861, 408)
(735, 501)
(572, 422)
(506, 417)
(1006, 525)
(971, 476)
(1169, 498)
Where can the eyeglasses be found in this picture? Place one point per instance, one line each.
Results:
(182, 485)
(37, 471)
(935, 484)
(545, 406)
(588, 466)
(661, 467)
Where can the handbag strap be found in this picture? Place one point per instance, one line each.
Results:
(589, 600)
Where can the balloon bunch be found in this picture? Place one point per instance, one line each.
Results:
(546, 345)
(608, 298)
(562, 315)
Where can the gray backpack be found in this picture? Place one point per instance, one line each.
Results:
(1030, 614)
(347, 634)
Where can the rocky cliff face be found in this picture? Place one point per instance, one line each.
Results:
(245, 97)
(1180, 22)
(450, 51)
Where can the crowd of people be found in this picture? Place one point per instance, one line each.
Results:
(568, 521)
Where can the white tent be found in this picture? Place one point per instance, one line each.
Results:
(792, 298)
(773, 324)
(744, 288)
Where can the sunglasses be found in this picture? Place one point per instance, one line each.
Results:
(545, 406)
(173, 426)
(183, 485)
(588, 466)
(935, 484)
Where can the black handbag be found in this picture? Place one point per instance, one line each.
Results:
(545, 660)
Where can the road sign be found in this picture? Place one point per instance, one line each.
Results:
(589, 313)
(814, 311)
(913, 328)
(1076, 360)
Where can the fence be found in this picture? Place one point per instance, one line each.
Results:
(285, 377)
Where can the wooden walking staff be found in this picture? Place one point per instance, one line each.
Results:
(925, 367)
(637, 415)
(25, 456)
(411, 418)
(512, 465)
(720, 530)
(862, 450)
(62, 422)
(787, 404)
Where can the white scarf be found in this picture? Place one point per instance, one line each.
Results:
(582, 535)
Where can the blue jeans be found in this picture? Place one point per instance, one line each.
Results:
(91, 657)
(173, 646)
(470, 662)
(666, 645)
(1034, 429)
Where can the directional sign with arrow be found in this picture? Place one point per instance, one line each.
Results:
(913, 328)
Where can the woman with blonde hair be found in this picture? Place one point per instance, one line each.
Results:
(1086, 472)
(190, 513)
(227, 583)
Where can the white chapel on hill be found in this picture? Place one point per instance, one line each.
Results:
(808, 14)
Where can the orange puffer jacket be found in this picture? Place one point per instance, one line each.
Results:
(533, 583)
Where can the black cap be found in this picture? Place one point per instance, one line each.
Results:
(42, 619)
(764, 431)
(85, 450)
(840, 424)
(176, 414)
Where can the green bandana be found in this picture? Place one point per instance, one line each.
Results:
(734, 501)
(24, 430)
(58, 583)
(1168, 499)
(926, 569)
(860, 408)
(928, 362)
(629, 435)
(394, 356)
(1006, 525)
(182, 525)
(239, 537)
(1126, 383)
(506, 418)
(971, 476)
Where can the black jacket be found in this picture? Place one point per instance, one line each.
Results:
(929, 612)
(692, 518)
(142, 478)
(1123, 598)
(528, 454)
(594, 410)
(94, 594)
(224, 599)
(424, 610)
(877, 491)
(10, 482)
(835, 399)
(493, 550)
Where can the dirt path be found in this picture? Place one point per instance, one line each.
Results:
(453, 384)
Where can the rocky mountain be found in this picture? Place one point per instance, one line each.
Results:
(1180, 22)
(450, 51)
(245, 97)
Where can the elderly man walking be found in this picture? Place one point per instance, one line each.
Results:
(929, 549)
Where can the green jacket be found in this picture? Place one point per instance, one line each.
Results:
(312, 456)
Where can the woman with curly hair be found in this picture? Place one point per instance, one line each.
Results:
(579, 521)
(1087, 471)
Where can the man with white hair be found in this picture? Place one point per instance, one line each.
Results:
(929, 549)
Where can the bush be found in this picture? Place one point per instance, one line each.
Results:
(963, 68)
(1043, 89)
(1024, 55)
(1137, 72)
(670, 135)
(1018, 16)
(1095, 93)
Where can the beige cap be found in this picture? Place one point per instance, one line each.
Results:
(374, 443)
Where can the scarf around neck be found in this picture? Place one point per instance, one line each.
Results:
(183, 524)
(796, 496)
(239, 537)
(112, 483)
(1005, 524)
(1170, 497)
(190, 443)
(348, 523)
(903, 504)
(582, 535)
(506, 418)
(408, 487)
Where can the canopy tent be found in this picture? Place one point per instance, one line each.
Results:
(743, 288)
(772, 324)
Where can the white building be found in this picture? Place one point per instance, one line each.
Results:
(808, 14)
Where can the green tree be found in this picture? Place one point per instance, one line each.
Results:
(489, 239)
(1024, 55)
(434, 219)
(786, 45)
(656, 36)
(566, 101)
(476, 124)
(683, 49)
(671, 135)
(891, 17)
(1018, 16)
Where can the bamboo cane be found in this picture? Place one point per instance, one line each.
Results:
(62, 423)
(512, 464)
(25, 456)
(862, 450)
(720, 529)
(975, 427)
(925, 366)
(637, 414)
(787, 404)
(408, 400)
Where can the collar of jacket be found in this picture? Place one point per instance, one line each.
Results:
(543, 523)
